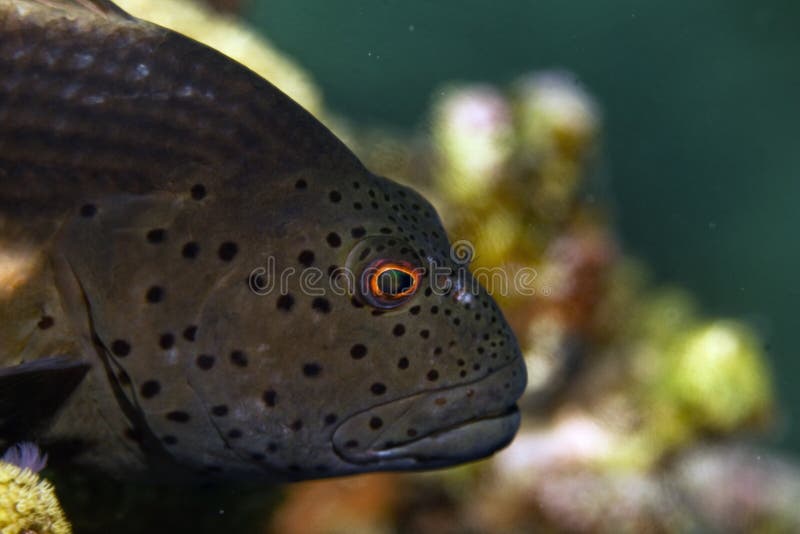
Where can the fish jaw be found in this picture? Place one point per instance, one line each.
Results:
(436, 428)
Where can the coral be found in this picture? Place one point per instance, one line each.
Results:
(28, 503)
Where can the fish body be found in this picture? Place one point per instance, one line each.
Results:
(198, 278)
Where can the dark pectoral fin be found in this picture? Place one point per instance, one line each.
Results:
(31, 393)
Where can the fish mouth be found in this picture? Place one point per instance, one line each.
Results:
(436, 428)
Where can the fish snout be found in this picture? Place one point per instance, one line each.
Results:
(436, 428)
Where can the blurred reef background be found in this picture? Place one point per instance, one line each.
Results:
(642, 161)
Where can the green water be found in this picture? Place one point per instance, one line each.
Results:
(701, 115)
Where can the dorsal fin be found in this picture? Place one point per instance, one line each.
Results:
(99, 7)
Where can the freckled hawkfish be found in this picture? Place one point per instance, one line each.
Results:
(170, 228)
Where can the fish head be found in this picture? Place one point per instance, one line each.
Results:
(362, 343)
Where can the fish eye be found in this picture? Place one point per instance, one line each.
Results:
(387, 284)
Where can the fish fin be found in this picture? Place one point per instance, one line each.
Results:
(32, 392)
(105, 8)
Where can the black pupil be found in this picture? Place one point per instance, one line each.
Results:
(394, 282)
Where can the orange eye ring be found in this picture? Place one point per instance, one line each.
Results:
(387, 284)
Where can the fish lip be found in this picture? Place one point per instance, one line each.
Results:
(510, 415)
(488, 427)
(448, 444)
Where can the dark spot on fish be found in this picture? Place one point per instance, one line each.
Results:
(476, 367)
(270, 398)
(169, 440)
(300, 184)
(190, 250)
(358, 351)
(306, 258)
(399, 330)
(356, 303)
(285, 302)
(235, 433)
(434, 310)
(456, 321)
(433, 375)
(330, 418)
(437, 351)
(424, 334)
(205, 362)
(321, 305)
(220, 410)
(239, 358)
(335, 196)
(334, 240)
(178, 416)
(166, 341)
(154, 294)
(402, 363)
(88, 210)
(414, 310)
(296, 425)
(377, 388)
(150, 389)
(45, 322)
(462, 374)
(120, 347)
(312, 369)
(364, 253)
(461, 362)
(357, 205)
(375, 423)
(385, 230)
(227, 250)
(157, 235)
(198, 191)
(190, 333)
